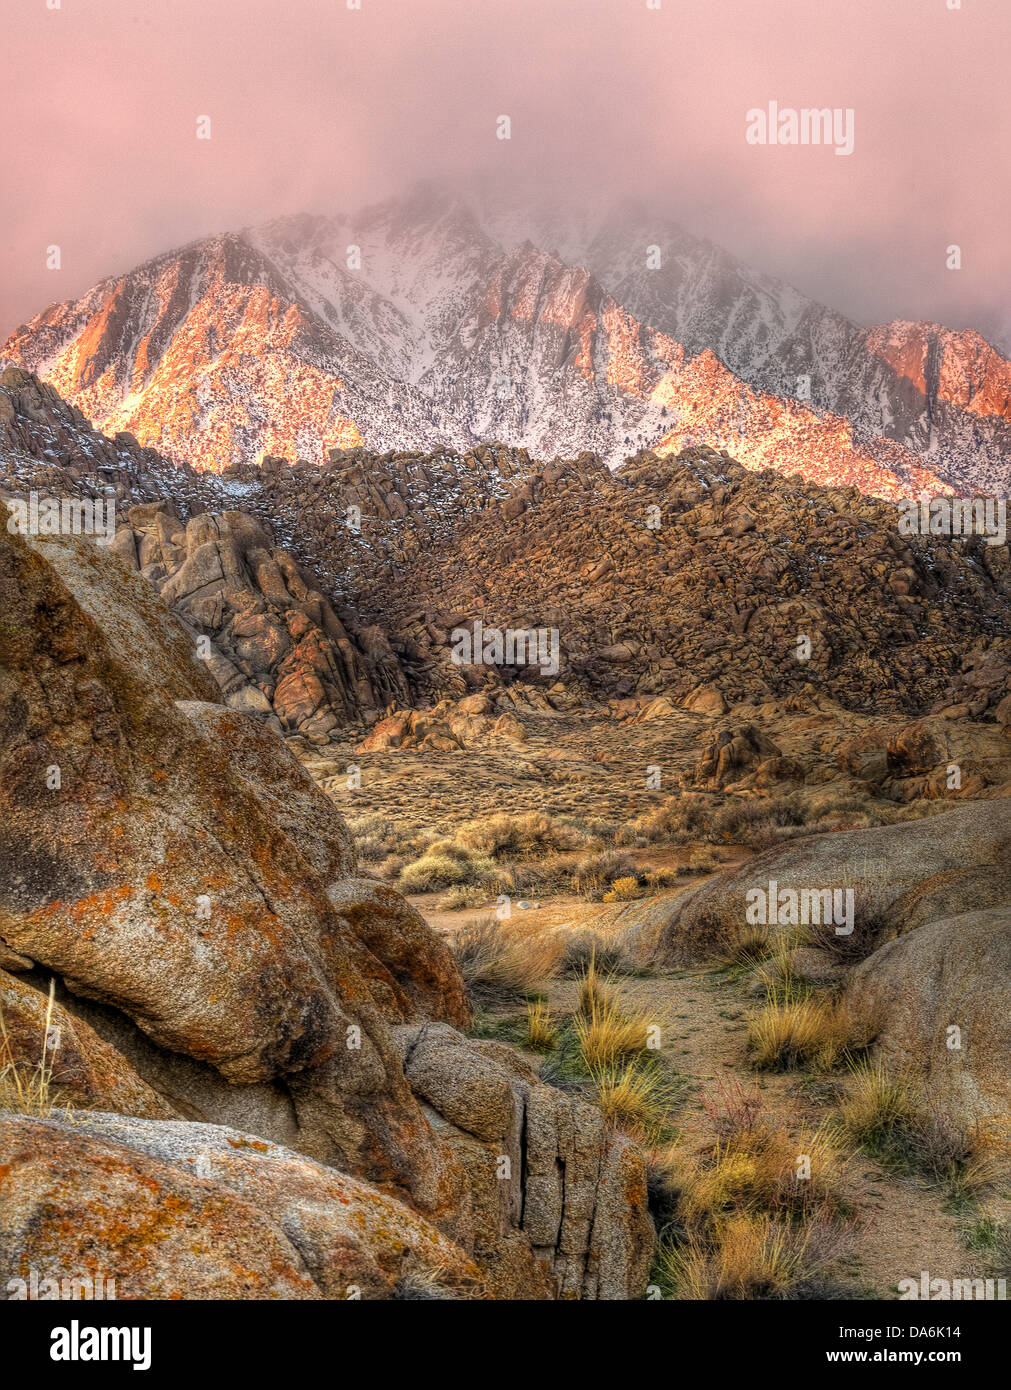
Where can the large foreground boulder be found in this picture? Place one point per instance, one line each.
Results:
(142, 860)
(170, 1210)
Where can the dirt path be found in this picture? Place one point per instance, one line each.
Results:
(902, 1226)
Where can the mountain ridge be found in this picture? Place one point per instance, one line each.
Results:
(414, 325)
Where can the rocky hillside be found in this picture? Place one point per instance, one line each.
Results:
(671, 573)
(425, 322)
(326, 595)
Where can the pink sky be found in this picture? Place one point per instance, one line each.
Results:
(318, 108)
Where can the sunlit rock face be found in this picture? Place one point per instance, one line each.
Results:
(425, 322)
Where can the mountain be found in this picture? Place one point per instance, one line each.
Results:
(423, 322)
(942, 394)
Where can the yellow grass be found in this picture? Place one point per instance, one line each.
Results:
(745, 1257)
(623, 890)
(27, 1089)
(877, 1102)
(791, 1032)
(542, 1035)
(632, 1098)
(594, 988)
(506, 960)
(761, 1170)
(607, 1036)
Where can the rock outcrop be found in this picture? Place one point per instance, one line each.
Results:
(901, 876)
(276, 644)
(553, 1188)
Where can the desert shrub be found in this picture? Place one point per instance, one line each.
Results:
(506, 836)
(704, 861)
(624, 890)
(461, 896)
(597, 872)
(808, 1031)
(731, 1107)
(504, 961)
(392, 866)
(586, 950)
(375, 837)
(969, 1160)
(678, 821)
(768, 836)
(443, 864)
(658, 879)
(757, 1169)
(743, 820)
(754, 1212)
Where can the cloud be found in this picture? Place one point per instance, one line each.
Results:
(316, 107)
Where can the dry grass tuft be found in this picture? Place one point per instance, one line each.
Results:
(876, 1104)
(633, 1098)
(27, 1089)
(762, 1170)
(891, 1117)
(502, 962)
(746, 949)
(542, 1034)
(744, 1257)
(595, 987)
(812, 1031)
(588, 949)
(606, 1035)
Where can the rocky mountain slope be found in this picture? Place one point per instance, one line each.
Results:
(941, 393)
(423, 322)
(327, 595)
(670, 573)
